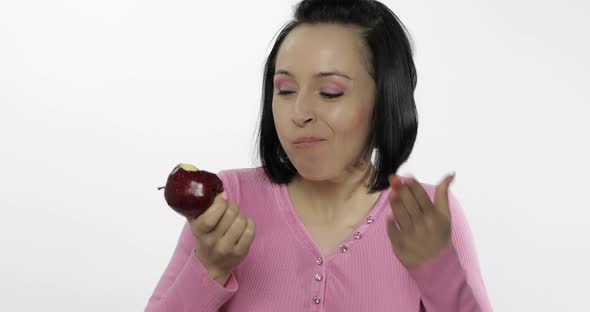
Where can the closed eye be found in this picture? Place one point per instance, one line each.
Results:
(285, 92)
(331, 95)
(326, 95)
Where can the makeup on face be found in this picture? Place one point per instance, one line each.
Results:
(333, 87)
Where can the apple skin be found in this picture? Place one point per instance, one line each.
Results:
(190, 191)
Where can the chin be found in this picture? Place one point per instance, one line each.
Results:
(313, 172)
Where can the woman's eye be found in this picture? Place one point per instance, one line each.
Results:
(331, 95)
(324, 94)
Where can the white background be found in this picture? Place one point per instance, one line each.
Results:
(100, 99)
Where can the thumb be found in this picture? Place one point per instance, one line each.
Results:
(441, 200)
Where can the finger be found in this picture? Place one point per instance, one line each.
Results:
(442, 196)
(420, 195)
(226, 221)
(393, 222)
(245, 241)
(232, 235)
(399, 211)
(393, 231)
(410, 203)
(209, 219)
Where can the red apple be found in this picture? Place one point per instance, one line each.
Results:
(190, 191)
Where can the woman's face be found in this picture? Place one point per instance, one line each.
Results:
(336, 106)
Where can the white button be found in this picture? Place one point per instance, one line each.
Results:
(358, 235)
(316, 300)
(318, 277)
(343, 249)
(319, 261)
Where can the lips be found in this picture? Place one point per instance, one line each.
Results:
(308, 140)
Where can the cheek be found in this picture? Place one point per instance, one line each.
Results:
(278, 115)
(349, 121)
(359, 123)
(356, 124)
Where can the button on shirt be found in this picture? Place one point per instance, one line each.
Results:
(285, 271)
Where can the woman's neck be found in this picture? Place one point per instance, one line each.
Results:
(335, 200)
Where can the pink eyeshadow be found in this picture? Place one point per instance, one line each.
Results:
(280, 83)
(332, 87)
(336, 87)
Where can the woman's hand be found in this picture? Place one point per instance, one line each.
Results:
(424, 227)
(224, 236)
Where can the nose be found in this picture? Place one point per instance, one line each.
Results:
(300, 119)
(302, 114)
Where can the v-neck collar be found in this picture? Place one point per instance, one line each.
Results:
(303, 236)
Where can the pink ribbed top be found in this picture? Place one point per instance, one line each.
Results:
(285, 271)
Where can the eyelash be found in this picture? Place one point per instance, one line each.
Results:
(326, 95)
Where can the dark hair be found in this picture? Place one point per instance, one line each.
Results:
(394, 122)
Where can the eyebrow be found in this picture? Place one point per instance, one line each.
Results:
(317, 75)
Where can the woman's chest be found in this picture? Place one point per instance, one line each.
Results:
(328, 240)
(284, 275)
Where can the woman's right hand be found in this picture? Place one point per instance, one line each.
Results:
(224, 236)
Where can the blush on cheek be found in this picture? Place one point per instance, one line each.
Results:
(359, 122)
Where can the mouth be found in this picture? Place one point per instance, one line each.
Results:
(308, 143)
(308, 139)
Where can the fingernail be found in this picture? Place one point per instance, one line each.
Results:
(224, 195)
(390, 178)
(394, 180)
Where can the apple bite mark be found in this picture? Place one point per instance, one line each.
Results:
(188, 167)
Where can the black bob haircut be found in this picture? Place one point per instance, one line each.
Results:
(394, 121)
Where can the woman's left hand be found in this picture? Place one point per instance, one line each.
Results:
(424, 227)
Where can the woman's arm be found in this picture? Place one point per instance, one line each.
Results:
(452, 281)
(186, 284)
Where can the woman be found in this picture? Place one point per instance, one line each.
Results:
(318, 226)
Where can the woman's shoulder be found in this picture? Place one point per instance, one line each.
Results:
(239, 181)
(243, 175)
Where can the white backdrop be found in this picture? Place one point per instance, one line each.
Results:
(100, 99)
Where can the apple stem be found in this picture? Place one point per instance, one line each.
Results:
(161, 187)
